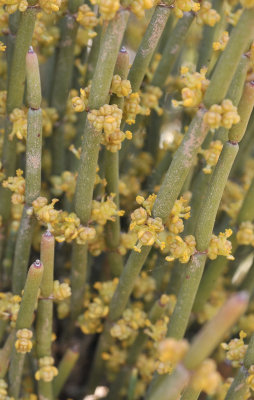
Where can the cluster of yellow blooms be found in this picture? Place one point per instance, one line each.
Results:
(23, 344)
(47, 371)
(45, 36)
(108, 119)
(138, 7)
(61, 291)
(96, 308)
(220, 246)
(146, 227)
(245, 234)
(182, 6)
(3, 391)
(80, 103)
(49, 118)
(250, 378)
(222, 42)
(158, 330)
(232, 199)
(47, 5)
(144, 287)
(236, 349)
(222, 115)
(19, 120)
(17, 185)
(211, 155)
(131, 108)
(207, 15)
(103, 211)
(120, 87)
(150, 100)
(195, 85)
(132, 320)
(107, 8)
(65, 183)
(87, 19)
(65, 227)
(9, 306)
(170, 353)
(206, 378)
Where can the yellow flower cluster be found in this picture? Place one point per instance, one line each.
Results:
(180, 211)
(247, 3)
(79, 103)
(195, 85)
(2, 46)
(96, 309)
(170, 353)
(50, 6)
(64, 226)
(232, 199)
(23, 344)
(17, 185)
(47, 371)
(108, 119)
(158, 330)
(19, 119)
(211, 155)
(133, 319)
(131, 108)
(250, 378)
(146, 227)
(103, 211)
(9, 306)
(144, 287)
(49, 118)
(236, 349)
(65, 183)
(87, 19)
(3, 391)
(138, 7)
(222, 42)
(127, 242)
(150, 100)
(181, 249)
(115, 357)
(207, 15)
(107, 8)
(206, 378)
(182, 6)
(120, 87)
(106, 289)
(222, 115)
(245, 234)
(13, 5)
(45, 36)
(61, 291)
(220, 246)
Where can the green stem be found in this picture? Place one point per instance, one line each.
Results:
(45, 310)
(78, 279)
(15, 92)
(239, 40)
(61, 87)
(24, 321)
(33, 172)
(172, 49)
(180, 166)
(169, 387)
(65, 368)
(148, 45)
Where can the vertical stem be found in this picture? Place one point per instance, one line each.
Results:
(45, 310)
(64, 370)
